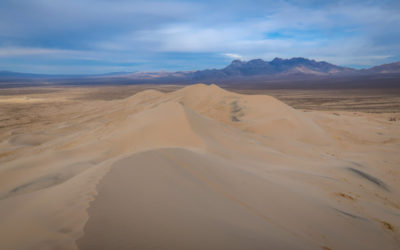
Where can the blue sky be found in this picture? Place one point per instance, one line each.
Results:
(99, 36)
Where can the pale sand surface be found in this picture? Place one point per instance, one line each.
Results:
(199, 168)
(178, 199)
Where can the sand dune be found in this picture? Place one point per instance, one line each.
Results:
(200, 168)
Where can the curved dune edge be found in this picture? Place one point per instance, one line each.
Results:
(48, 185)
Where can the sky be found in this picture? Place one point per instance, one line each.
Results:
(100, 36)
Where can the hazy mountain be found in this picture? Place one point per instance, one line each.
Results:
(390, 68)
(12, 74)
(278, 66)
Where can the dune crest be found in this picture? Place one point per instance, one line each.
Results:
(262, 114)
(165, 125)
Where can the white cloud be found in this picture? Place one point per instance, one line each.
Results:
(233, 56)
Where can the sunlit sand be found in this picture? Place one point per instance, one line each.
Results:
(196, 168)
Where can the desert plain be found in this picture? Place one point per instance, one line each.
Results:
(199, 167)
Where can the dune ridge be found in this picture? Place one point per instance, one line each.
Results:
(282, 162)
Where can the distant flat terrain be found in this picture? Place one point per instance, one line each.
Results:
(383, 100)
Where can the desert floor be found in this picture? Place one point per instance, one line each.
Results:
(199, 167)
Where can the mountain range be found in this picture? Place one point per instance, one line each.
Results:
(276, 68)
(256, 70)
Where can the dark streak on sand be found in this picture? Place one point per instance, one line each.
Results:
(47, 181)
(43, 182)
(349, 214)
(370, 178)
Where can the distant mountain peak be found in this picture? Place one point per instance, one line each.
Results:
(237, 62)
(295, 65)
(256, 61)
(277, 59)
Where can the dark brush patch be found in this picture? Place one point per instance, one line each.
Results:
(235, 111)
(235, 107)
(346, 196)
(235, 119)
(370, 178)
(388, 226)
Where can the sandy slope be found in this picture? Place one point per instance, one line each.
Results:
(201, 168)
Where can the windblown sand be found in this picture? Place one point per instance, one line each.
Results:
(196, 168)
